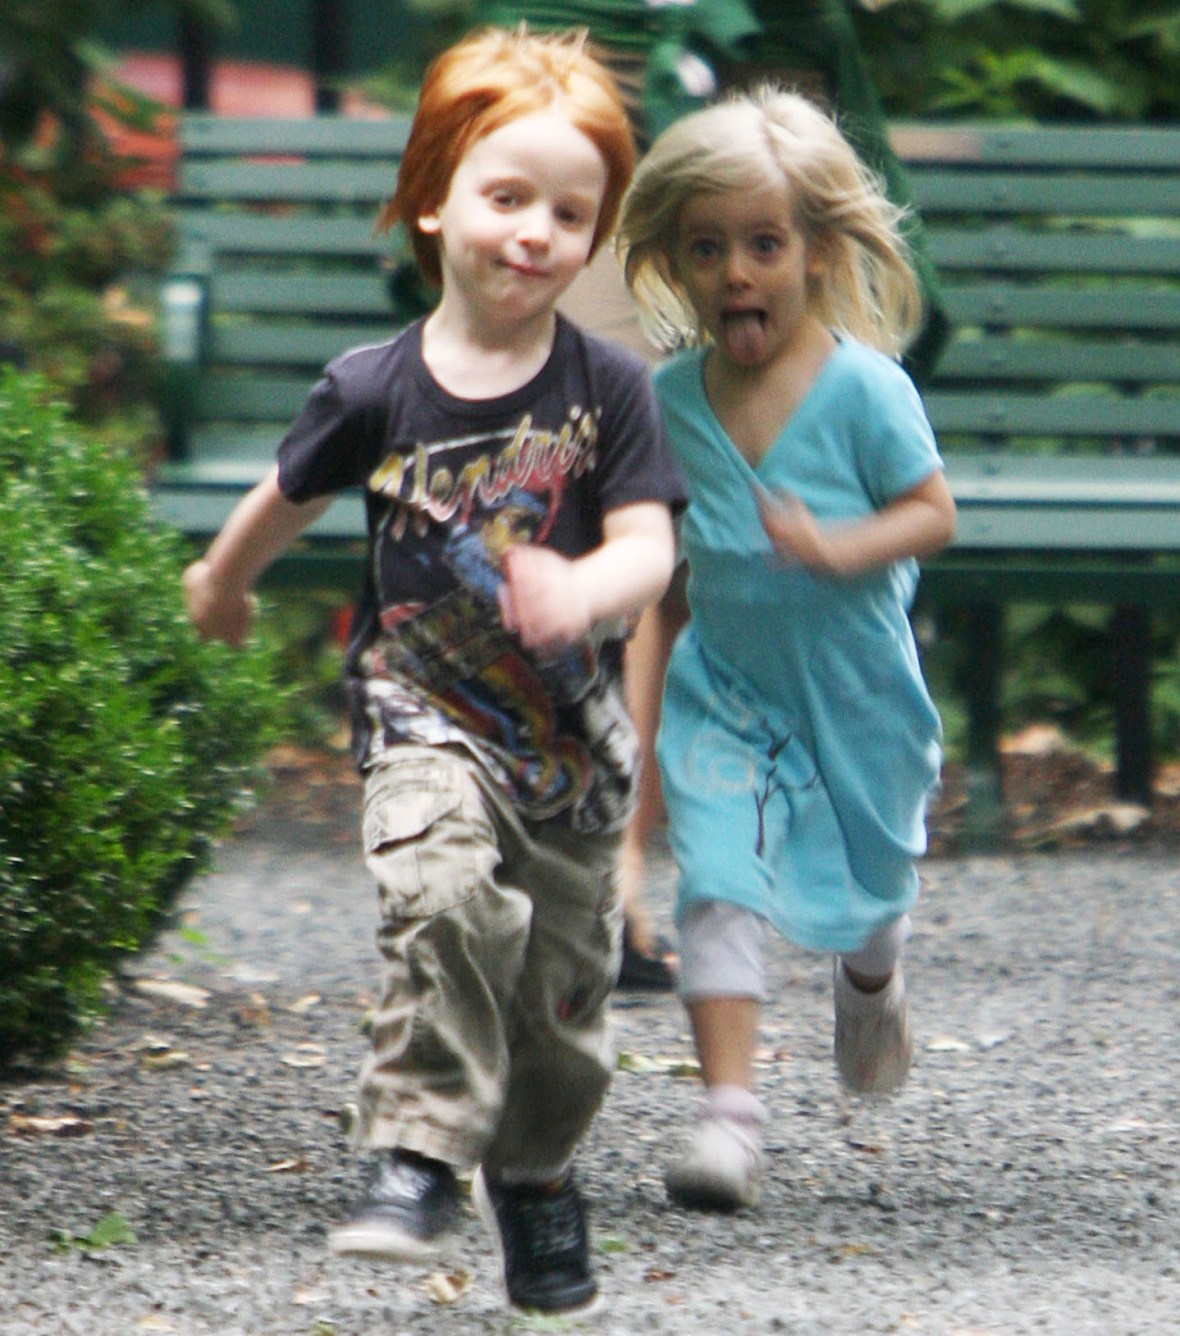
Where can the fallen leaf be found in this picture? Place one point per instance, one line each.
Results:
(297, 1165)
(304, 1004)
(306, 1055)
(38, 1125)
(164, 1061)
(1035, 740)
(945, 1044)
(1109, 818)
(186, 994)
(444, 1287)
(305, 1295)
(667, 1066)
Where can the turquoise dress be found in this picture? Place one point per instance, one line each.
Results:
(799, 746)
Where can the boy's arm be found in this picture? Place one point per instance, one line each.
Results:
(917, 523)
(550, 601)
(260, 528)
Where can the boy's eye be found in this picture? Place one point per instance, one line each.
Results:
(572, 216)
(767, 244)
(505, 197)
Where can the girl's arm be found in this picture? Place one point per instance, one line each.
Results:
(260, 528)
(551, 601)
(917, 523)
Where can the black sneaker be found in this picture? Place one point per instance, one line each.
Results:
(544, 1245)
(411, 1203)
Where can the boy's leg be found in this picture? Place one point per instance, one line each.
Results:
(453, 940)
(561, 1061)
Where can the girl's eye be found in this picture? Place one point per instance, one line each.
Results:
(767, 244)
(505, 199)
(703, 249)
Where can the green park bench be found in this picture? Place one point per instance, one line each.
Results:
(1056, 402)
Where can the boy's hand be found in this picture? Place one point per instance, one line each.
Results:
(542, 600)
(216, 614)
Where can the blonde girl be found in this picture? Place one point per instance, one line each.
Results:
(798, 746)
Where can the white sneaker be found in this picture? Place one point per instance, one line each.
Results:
(874, 1047)
(721, 1169)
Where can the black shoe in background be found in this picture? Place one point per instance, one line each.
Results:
(654, 972)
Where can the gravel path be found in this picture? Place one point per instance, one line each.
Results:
(1025, 1181)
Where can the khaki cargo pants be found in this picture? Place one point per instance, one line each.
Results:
(501, 943)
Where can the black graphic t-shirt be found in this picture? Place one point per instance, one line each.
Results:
(449, 485)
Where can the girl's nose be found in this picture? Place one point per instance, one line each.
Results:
(734, 267)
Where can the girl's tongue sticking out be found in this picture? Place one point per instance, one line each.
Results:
(743, 335)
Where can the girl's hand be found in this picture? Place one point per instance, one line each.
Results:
(794, 532)
(916, 524)
(542, 599)
(216, 614)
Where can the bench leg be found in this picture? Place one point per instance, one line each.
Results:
(1130, 629)
(983, 825)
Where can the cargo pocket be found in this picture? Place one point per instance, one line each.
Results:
(416, 844)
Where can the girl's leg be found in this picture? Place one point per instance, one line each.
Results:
(647, 656)
(725, 1031)
(873, 1045)
(721, 954)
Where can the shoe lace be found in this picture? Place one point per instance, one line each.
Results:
(548, 1223)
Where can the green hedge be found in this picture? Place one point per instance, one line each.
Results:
(125, 743)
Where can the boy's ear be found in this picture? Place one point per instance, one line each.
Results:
(429, 223)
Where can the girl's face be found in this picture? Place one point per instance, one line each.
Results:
(747, 267)
(518, 220)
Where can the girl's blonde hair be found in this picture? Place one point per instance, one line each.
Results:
(484, 82)
(868, 291)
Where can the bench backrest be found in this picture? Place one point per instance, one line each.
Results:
(1059, 251)
(276, 222)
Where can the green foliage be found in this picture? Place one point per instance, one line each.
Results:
(80, 260)
(1046, 60)
(125, 743)
(49, 63)
(111, 1231)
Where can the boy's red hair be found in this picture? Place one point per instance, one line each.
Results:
(486, 81)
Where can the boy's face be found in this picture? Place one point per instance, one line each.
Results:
(519, 217)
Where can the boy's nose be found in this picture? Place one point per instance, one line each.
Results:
(535, 227)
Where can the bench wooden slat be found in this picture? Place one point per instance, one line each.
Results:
(993, 358)
(202, 512)
(310, 294)
(1104, 307)
(262, 234)
(1146, 148)
(1048, 193)
(1002, 412)
(311, 344)
(328, 183)
(204, 133)
(1010, 250)
(252, 398)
